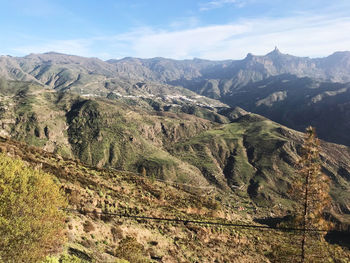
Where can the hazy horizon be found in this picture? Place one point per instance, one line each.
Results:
(208, 29)
(193, 58)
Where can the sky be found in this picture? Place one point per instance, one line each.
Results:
(179, 29)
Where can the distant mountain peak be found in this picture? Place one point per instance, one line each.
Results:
(249, 56)
(275, 52)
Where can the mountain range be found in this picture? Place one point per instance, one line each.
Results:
(231, 125)
(60, 71)
(303, 87)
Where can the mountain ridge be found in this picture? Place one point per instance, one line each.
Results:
(171, 82)
(199, 63)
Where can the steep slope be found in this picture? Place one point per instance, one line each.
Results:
(96, 234)
(99, 132)
(299, 102)
(149, 127)
(116, 215)
(11, 69)
(256, 157)
(276, 85)
(336, 66)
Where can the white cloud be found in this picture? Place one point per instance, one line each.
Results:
(183, 44)
(220, 3)
(303, 35)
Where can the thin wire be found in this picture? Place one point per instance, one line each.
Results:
(186, 221)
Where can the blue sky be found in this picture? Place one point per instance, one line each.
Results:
(180, 29)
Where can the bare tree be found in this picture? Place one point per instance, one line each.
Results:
(310, 189)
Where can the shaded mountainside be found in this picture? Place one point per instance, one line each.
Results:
(233, 150)
(299, 102)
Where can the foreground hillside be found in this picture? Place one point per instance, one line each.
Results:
(95, 236)
(110, 219)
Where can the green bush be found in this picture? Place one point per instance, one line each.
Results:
(31, 224)
(131, 250)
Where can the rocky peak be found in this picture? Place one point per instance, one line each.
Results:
(276, 53)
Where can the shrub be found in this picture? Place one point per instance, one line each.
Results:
(88, 226)
(131, 250)
(117, 233)
(31, 224)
